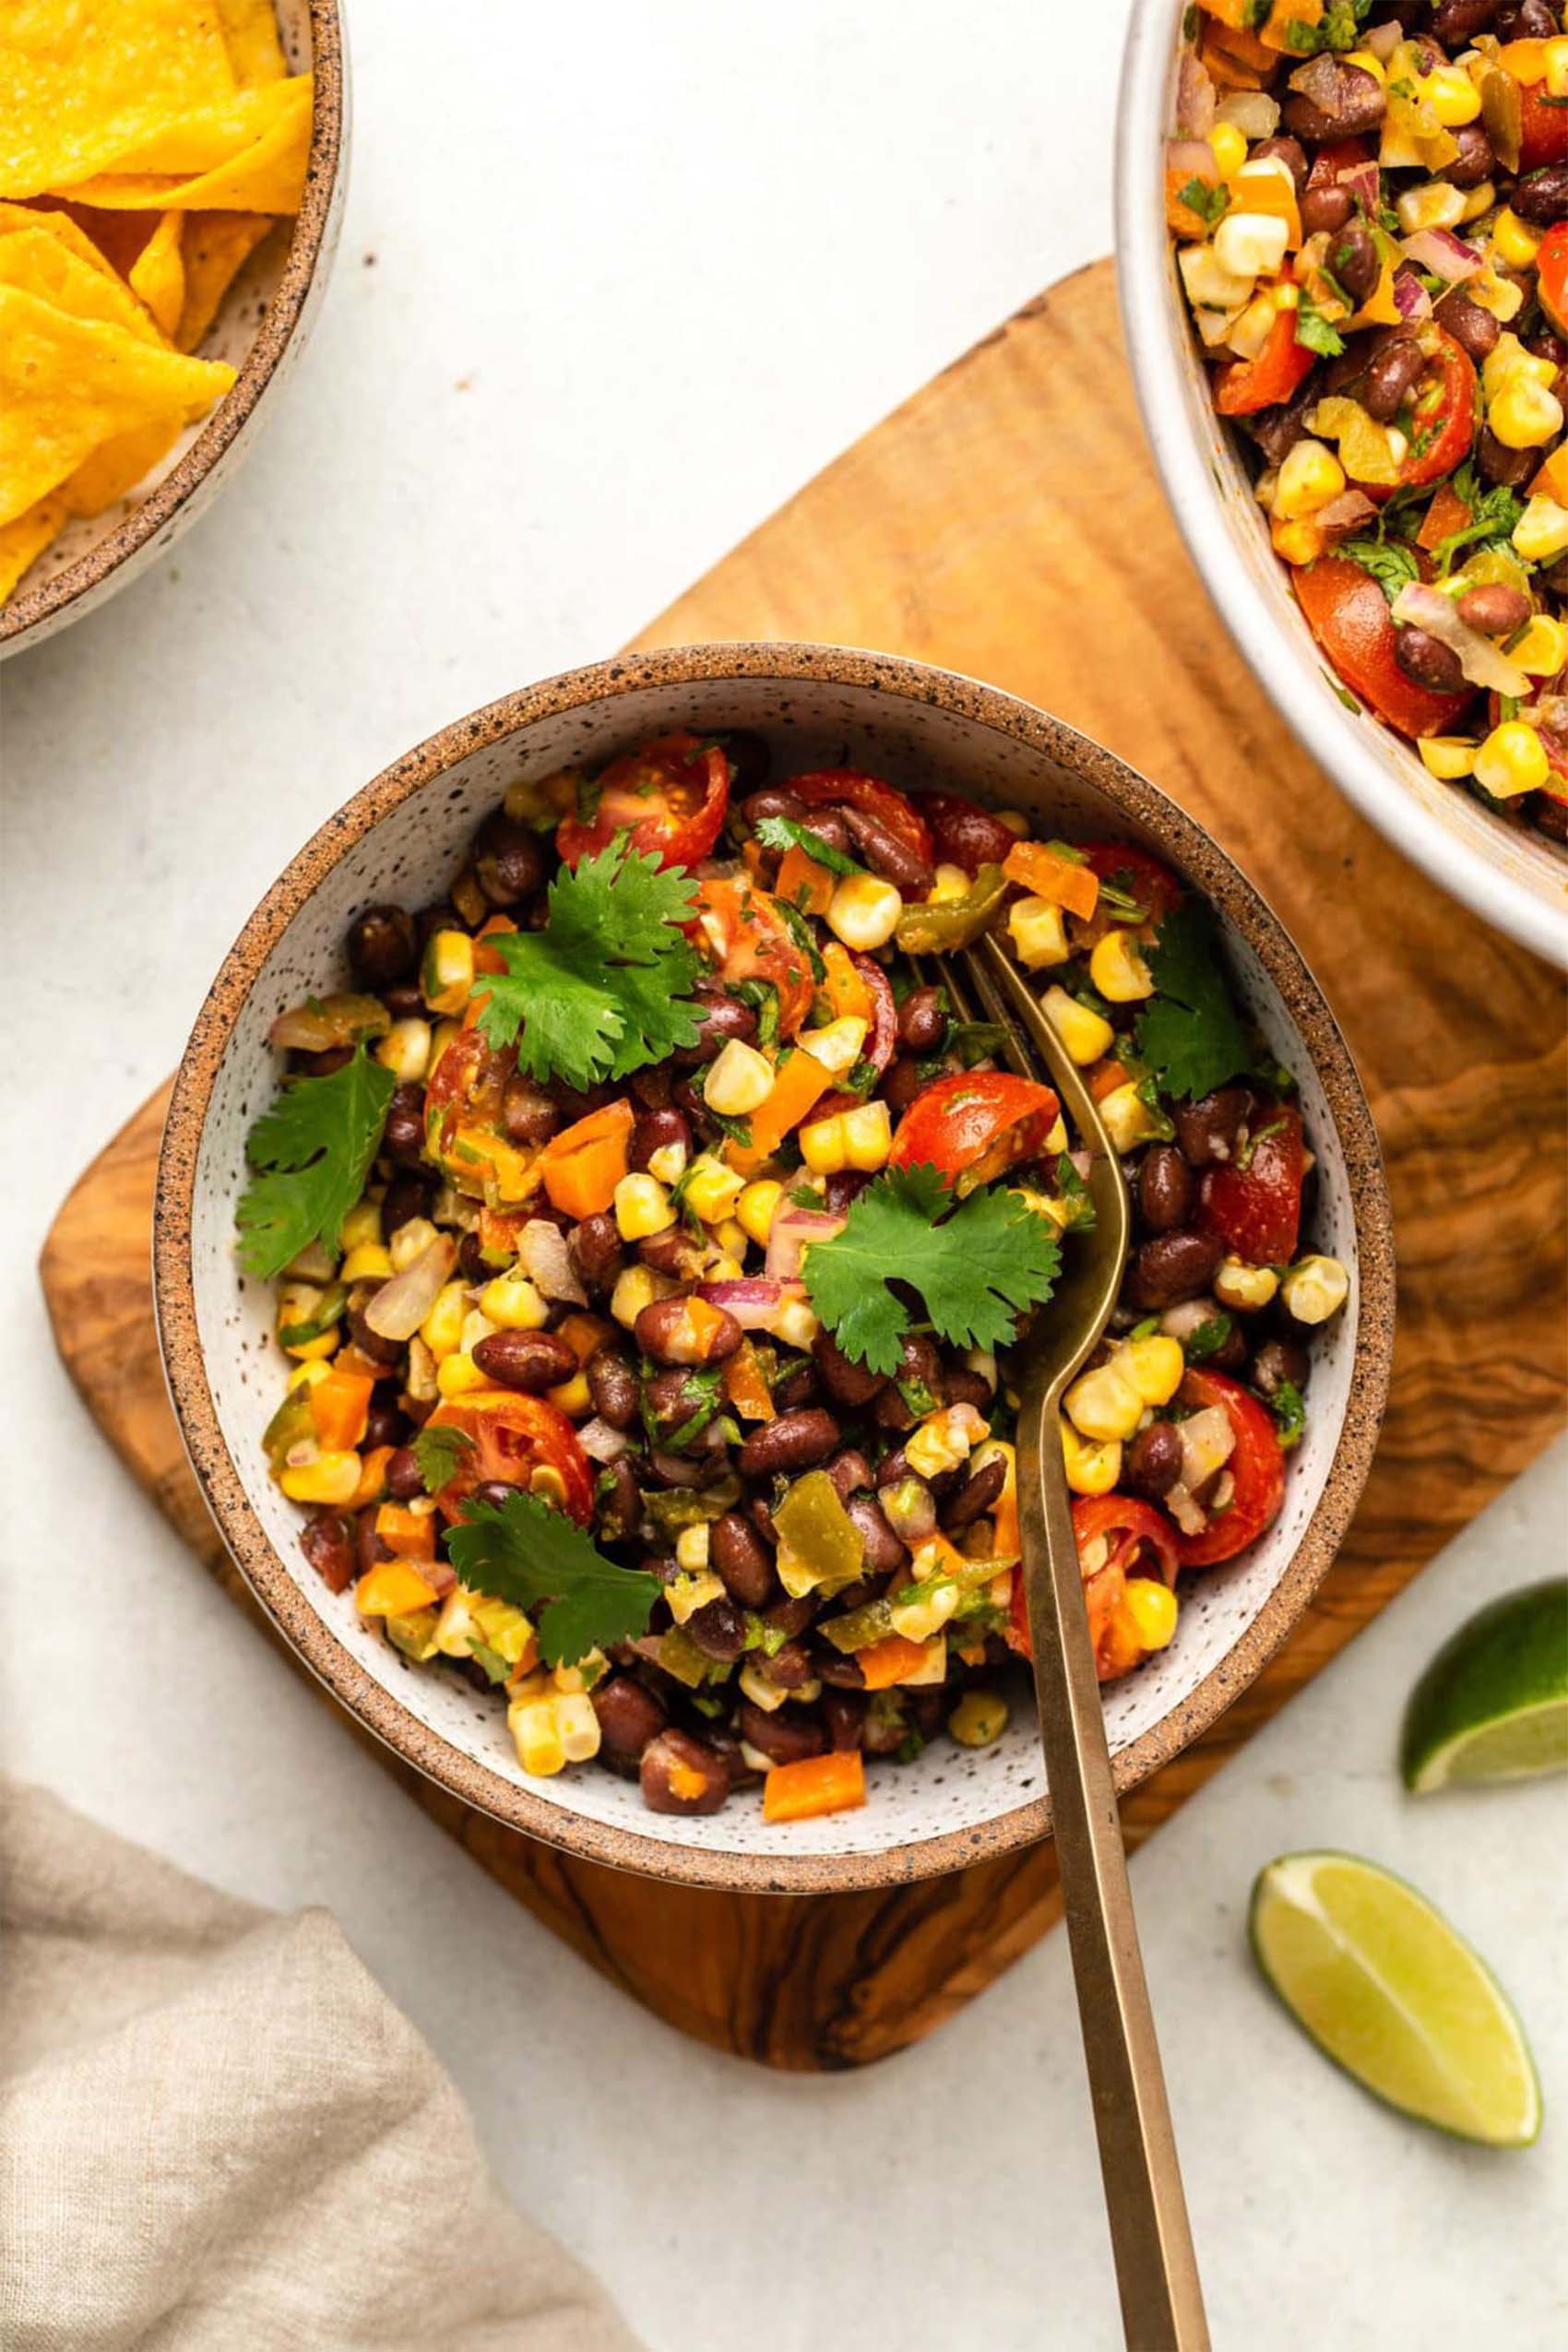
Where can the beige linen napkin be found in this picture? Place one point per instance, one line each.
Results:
(217, 2134)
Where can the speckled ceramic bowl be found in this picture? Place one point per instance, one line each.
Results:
(260, 329)
(1512, 876)
(401, 838)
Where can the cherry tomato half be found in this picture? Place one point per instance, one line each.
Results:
(513, 1437)
(1256, 1467)
(671, 792)
(834, 787)
(1444, 399)
(974, 1124)
(1242, 387)
(1552, 276)
(1543, 127)
(963, 835)
(1139, 1541)
(1256, 1210)
(465, 1087)
(742, 927)
(1348, 614)
(1141, 878)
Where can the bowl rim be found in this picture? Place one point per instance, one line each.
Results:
(283, 1598)
(1157, 348)
(48, 601)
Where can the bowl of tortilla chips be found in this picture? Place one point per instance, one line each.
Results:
(170, 183)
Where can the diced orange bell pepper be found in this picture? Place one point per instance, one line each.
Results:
(1276, 33)
(802, 882)
(349, 1360)
(1551, 479)
(705, 1324)
(1446, 514)
(1057, 880)
(745, 1387)
(847, 993)
(800, 1080)
(584, 1163)
(340, 1407)
(392, 1588)
(835, 1783)
(410, 1534)
(1257, 188)
(584, 1333)
(1103, 1077)
(372, 1487)
(1233, 59)
(890, 1660)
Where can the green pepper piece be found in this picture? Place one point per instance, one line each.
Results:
(680, 1656)
(818, 1542)
(953, 922)
(858, 1628)
(290, 1425)
(673, 1508)
(334, 1300)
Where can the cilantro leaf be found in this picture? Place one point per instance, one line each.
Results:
(605, 986)
(523, 1552)
(1289, 1411)
(1390, 562)
(977, 1269)
(783, 833)
(1493, 514)
(316, 1147)
(1209, 200)
(439, 1453)
(1314, 331)
(1189, 1033)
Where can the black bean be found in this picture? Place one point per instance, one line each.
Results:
(597, 1253)
(1174, 1266)
(613, 1385)
(370, 1549)
(975, 1497)
(1393, 369)
(1527, 20)
(843, 1188)
(844, 1718)
(902, 1083)
(1165, 1189)
(882, 1550)
(1457, 22)
(848, 1383)
(1209, 1128)
(737, 1553)
(681, 1775)
(1473, 328)
(1152, 1462)
(1354, 259)
(528, 1360)
(669, 1404)
(1277, 1360)
(385, 1425)
(618, 1501)
(1428, 662)
(370, 1343)
(1328, 208)
(404, 1477)
(403, 1138)
(328, 1544)
(630, 1715)
(720, 1019)
(774, 799)
(786, 1735)
(1541, 198)
(1474, 160)
(718, 1629)
(921, 1021)
(789, 1441)
(800, 1385)
(958, 1385)
(791, 1668)
(658, 1131)
(1494, 607)
(674, 1251)
(663, 1331)
(408, 1195)
(507, 860)
(849, 1471)
(886, 854)
(1501, 463)
(382, 945)
(1288, 151)
(1330, 100)
(526, 1111)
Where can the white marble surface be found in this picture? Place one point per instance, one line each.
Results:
(614, 282)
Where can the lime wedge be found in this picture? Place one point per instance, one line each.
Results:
(1381, 1981)
(1494, 1703)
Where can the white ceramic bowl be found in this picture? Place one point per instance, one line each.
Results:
(1515, 879)
(401, 838)
(261, 328)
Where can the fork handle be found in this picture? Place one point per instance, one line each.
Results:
(1151, 2238)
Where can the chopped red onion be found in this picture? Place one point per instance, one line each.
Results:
(754, 1301)
(402, 1305)
(882, 1038)
(602, 1444)
(1410, 297)
(787, 1235)
(547, 1261)
(1195, 99)
(1194, 159)
(1447, 256)
(1251, 112)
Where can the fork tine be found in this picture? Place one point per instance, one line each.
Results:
(983, 988)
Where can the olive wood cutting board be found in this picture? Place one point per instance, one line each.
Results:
(973, 530)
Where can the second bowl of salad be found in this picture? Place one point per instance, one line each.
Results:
(590, 1243)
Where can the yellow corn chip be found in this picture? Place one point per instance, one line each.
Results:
(38, 261)
(262, 169)
(80, 83)
(118, 465)
(158, 274)
(70, 385)
(217, 246)
(24, 540)
(250, 35)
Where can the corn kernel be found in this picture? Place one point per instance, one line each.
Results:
(762, 1693)
(307, 1374)
(690, 1591)
(573, 1397)
(576, 1727)
(1251, 331)
(1453, 97)
(1244, 1288)
(756, 1206)
(410, 1241)
(917, 1620)
(933, 1667)
(1127, 1119)
(361, 1226)
(1297, 543)
(541, 1752)
(1508, 359)
(441, 1329)
(458, 1376)
(1057, 1139)
(1086, 1036)
(690, 1547)
(1037, 933)
(1555, 53)
(1503, 297)
(1153, 1609)
(1446, 756)
(1117, 970)
(369, 1262)
(331, 1478)
(1514, 241)
(1436, 204)
(822, 1147)
(1525, 415)
(1209, 284)
(668, 1162)
(405, 1051)
(797, 1323)
(445, 1031)
(1367, 59)
(1541, 535)
(738, 1080)
(636, 1287)
(1310, 477)
(1512, 760)
(979, 1719)
(730, 1239)
(1091, 1469)
(1478, 201)
(949, 882)
(863, 911)
(1153, 1366)
(710, 1189)
(414, 1634)
(1542, 650)
(943, 1440)
(476, 1326)
(511, 1303)
(447, 975)
(1314, 1289)
(642, 1206)
(419, 1379)
(1103, 1404)
(1250, 244)
(1230, 149)
(868, 1137)
(837, 1045)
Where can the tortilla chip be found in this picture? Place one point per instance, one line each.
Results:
(115, 468)
(68, 385)
(250, 35)
(40, 261)
(24, 540)
(217, 246)
(158, 275)
(261, 170)
(79, 84)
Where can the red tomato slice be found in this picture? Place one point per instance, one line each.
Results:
(1242, 387)
(1551, 275)
(1140, 1542)
(465, 1087)
(963, 835)
(1257, 1469)
(742, 928)
(1256, 1210)
(1145, 878)
(882, 1038)
(672, 793)
(1348, 614)
(973, 1124)
(513, 1437)
(1543, 127)
(832, 787)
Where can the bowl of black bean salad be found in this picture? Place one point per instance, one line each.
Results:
(589, 1245)
(1342, 234)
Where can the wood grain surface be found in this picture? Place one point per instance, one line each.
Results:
(1007, 522)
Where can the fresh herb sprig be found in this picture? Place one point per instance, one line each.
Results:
(313, 1151)
(524, 1551)
(1189, 1033)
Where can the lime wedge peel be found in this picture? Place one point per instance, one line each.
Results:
(1386, 1988)
(1492, 1705)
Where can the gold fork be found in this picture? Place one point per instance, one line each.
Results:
(1151, 2238)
